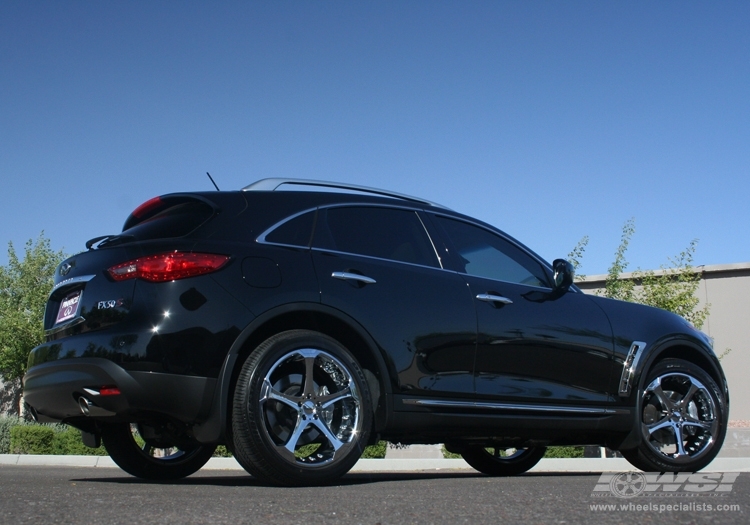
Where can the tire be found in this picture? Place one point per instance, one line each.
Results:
(501, 461)
(302, 411)
(682, 416)
(152, 460)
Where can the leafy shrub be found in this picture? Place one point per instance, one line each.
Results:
(68, 442)
(6, 423)
(32, 439)
(376, 451)
(222, 452)
(564, 452)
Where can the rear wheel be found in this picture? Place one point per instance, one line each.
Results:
(682, 419)
(302, 411)
(140, 451)
(502, 461)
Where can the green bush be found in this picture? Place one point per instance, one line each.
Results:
(564, 452)
(6, 423)
(222, 452)
(34, 439)
(69, 442)
(376, 451)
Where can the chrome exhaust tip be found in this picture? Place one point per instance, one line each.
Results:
(85, 405)
(89, 409)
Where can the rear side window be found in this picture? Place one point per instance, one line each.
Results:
(294, 232)
(386, 233)
(173, 221)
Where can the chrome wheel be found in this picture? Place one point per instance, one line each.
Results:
(311, 407)
(682, 416)
(302, 410)
(679, 417)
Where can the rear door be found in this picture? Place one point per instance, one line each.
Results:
(378, 265)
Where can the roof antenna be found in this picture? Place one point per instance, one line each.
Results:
(212, 180)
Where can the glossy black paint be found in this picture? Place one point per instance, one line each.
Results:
(543, 368)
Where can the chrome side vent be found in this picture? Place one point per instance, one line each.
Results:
(629, 366)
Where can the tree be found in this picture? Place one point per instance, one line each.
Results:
(671, 288)
(24, 287)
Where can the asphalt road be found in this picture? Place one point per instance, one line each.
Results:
(42, 495)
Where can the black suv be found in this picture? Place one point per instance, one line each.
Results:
(297, 327)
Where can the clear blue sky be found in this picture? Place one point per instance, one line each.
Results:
(550, 120)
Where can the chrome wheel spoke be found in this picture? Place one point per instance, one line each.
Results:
(679, 440)
(330, 399)
(663, 398)
(333, 440)
(268, 392)
(309, 388)
(299, 428)
(706, 426)
(664, 423)
(688, 396)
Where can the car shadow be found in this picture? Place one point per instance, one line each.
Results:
(241, 479)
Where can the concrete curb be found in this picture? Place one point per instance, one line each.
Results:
(582, 465)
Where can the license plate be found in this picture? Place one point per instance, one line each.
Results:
(69, 306)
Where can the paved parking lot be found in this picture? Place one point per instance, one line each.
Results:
(48, 494)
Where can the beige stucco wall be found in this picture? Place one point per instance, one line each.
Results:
(726, 288)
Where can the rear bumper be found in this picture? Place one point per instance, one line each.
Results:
(53, 390)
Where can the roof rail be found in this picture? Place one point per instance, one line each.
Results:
(274, 184)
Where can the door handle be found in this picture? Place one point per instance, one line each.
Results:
(348, 276)
(494, 299)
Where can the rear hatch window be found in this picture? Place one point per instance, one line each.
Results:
(162, 218)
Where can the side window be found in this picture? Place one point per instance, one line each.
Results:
(485, 254)
(386, 233)
(294, 232)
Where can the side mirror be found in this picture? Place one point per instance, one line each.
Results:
(564, 274)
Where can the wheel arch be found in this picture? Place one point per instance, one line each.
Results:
(686, 350)
(679, 348)
(310, 316)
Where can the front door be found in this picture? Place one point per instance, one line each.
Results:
(534, 345)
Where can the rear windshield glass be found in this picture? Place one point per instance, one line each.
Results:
(175, 221)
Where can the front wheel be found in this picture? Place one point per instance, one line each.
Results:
(302, 411)
(502, 461)
(682, 416)
(139, 451)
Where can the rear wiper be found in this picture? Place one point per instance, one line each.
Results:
(98, 242)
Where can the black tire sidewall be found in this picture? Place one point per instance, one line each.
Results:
(125, 452)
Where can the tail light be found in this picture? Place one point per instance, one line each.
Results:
(168, 266)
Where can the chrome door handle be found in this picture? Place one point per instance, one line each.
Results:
(348, 276)
(489, 298)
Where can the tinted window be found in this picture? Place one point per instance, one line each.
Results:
(485, 254)
(378, 232)
(295, 232)
(174, 221)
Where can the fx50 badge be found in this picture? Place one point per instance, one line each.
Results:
(112, 303)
